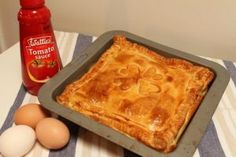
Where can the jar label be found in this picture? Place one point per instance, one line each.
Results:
(41, 58)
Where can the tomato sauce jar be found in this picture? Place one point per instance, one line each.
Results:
(40, 59)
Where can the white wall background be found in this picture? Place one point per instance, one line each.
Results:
(202, 27)
(8, 23)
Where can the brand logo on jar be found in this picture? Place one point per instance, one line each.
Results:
(39, 41)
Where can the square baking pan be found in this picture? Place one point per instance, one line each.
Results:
(194, 131)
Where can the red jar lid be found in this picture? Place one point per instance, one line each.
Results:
(31, 3)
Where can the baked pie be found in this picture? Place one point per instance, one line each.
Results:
(140, 93)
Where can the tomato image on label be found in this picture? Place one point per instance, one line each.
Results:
(52, 68)
(40, 71)
(37, 69)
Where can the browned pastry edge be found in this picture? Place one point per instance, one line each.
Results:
(165, 140)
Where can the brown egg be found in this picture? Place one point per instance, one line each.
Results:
(52, 133)
(30, 114)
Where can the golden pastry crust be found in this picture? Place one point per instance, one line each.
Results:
(140, 93)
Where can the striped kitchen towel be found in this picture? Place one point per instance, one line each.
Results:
(218, 141)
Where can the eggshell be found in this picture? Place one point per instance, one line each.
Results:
(52, 133)
(30, 114)
(17, 141)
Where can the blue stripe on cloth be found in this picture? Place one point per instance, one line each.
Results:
(232, 70)
(82, 42)
(17, 103)
(210, 145)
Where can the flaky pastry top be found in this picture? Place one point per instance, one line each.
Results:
(140, 93)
